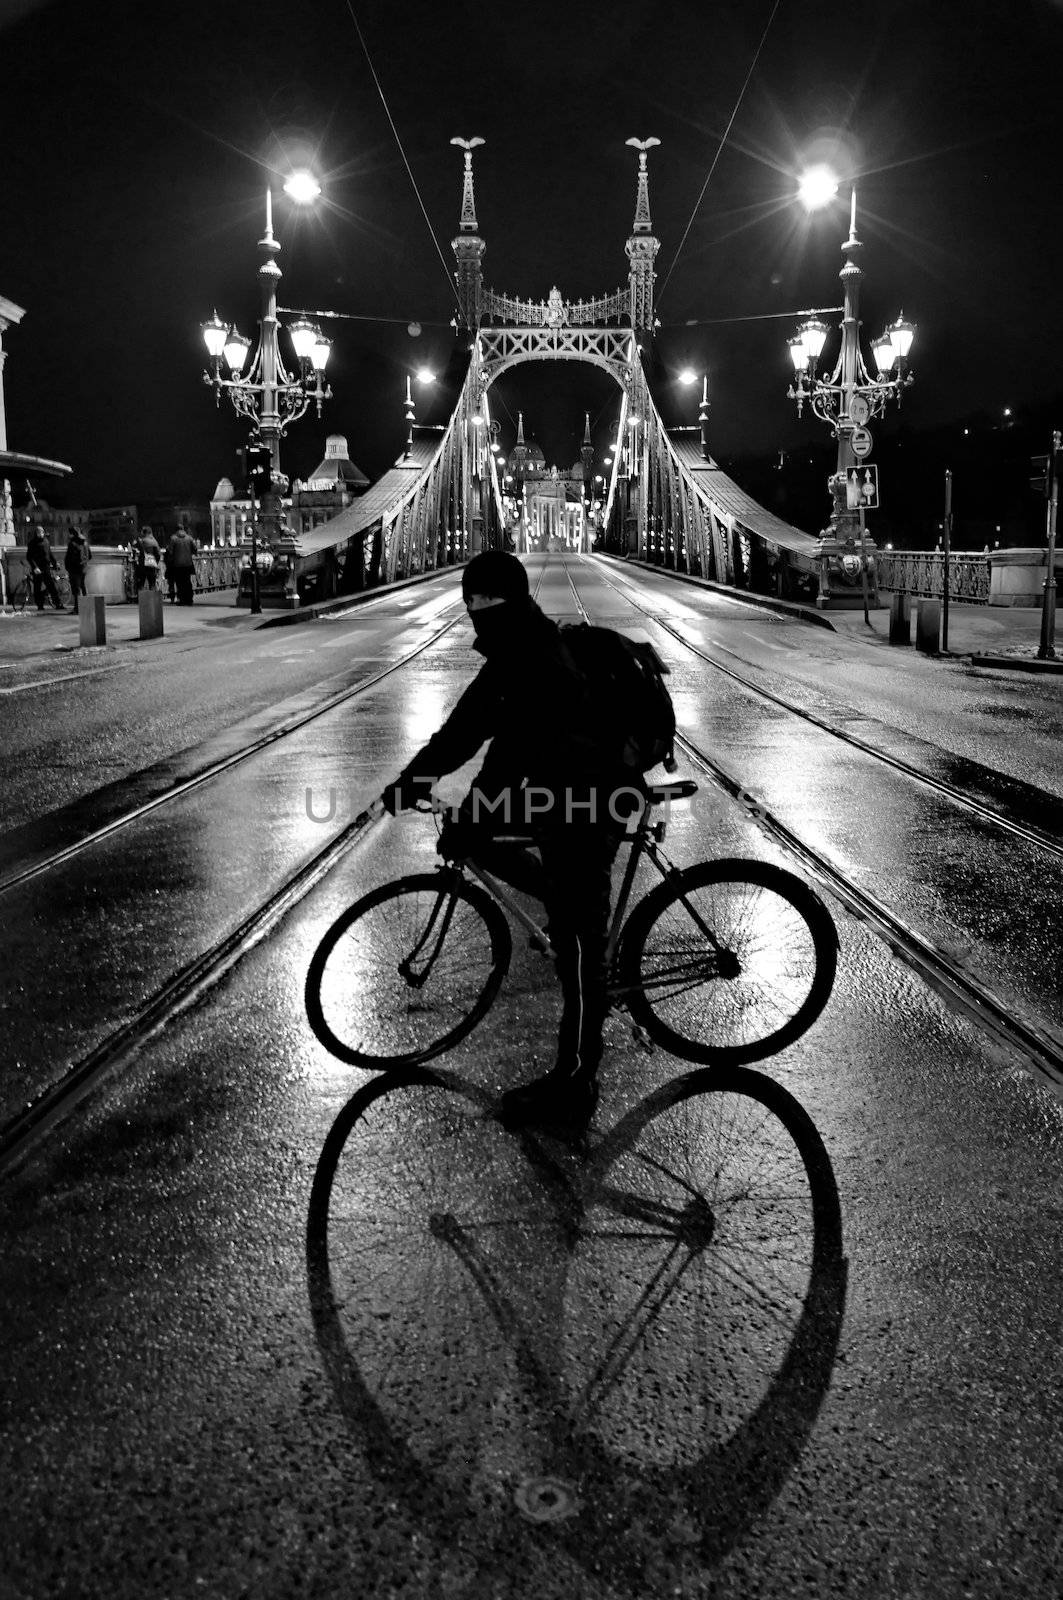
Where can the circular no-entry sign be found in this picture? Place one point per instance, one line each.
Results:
(860, 442)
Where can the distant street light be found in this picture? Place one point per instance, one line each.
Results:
(267, 394)
(817, 188)
(423, 375)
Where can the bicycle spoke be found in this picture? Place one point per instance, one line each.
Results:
(405, 973)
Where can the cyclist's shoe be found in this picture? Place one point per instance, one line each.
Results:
(558, 1100)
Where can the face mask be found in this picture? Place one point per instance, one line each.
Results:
(492, 624)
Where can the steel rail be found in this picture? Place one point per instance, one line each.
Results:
(969, 994)
(985, 813)
(54, 1105)
(217, 768)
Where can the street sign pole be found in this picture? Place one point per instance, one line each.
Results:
(1046, 649)
(945, 574)
(863, 567)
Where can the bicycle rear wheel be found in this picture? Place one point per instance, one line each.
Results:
(730, 963)
(407, 971)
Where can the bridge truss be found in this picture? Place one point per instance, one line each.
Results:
(667, 501)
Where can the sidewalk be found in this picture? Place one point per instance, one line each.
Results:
(1003, 637)
(51, 633)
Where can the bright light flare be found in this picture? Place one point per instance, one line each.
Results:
(425, 375)
(817, 188)
(302, 187)
(688, 376)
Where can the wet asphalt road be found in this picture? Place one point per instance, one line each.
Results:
(216, 1388)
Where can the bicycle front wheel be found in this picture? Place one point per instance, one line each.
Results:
(407, 971)
(729, 963)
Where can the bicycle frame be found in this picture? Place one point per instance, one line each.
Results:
(645, 842)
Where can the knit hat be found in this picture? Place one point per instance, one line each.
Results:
(495, 573)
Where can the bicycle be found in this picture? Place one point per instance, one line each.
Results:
(721, 963)
(22, 594)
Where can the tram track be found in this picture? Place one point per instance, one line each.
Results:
(45, 1112)
(216, 769)
(985, 813)
(965, 991)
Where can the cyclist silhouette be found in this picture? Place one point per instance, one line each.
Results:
(547, 778)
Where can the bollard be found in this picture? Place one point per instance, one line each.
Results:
(92, 619)
(928, 626)
(900, 619)
(150, 603)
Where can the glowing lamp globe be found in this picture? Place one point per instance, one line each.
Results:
(304, 336)
(302, 187)
(236, 348)
(214, 335)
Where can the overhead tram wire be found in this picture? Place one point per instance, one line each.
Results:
(720, 149)
(387, 112)
(753, 316)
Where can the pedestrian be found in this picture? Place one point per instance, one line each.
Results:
(42, 565)
(180, 564)
(148, 556)
(546, 775)
(77, 558)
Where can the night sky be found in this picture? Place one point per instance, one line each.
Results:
(137, 141)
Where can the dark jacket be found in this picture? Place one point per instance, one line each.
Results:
(78, 552)
(39, 552)
(180, 552)
(147, 546)
(534, 705)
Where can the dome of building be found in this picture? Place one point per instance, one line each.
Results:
(337, 467)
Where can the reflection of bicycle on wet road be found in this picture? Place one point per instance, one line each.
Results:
(725, 962)
(632, 1343)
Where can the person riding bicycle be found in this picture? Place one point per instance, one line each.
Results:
(547, 775)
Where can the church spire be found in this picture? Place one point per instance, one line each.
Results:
(468, 246)
(520, 427)
(587, 452)
(642, 247)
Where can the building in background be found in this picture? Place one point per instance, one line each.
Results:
(10, 316)
(329, 489)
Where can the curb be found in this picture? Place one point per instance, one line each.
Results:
(1016, 663)
(785, 608)
(324, 608)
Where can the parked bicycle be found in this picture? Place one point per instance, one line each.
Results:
(725, 962)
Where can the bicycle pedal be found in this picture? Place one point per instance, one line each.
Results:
(642, 1038)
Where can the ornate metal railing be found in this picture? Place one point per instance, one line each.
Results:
(220, 568)
(555, 312)
(923, 572)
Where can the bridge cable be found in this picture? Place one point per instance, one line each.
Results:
(450, 281)
(720, 149)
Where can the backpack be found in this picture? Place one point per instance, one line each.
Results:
(628, 692)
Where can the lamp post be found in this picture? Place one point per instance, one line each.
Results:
(689, 377)
(267, 394)
(847, 400)
(423, 375)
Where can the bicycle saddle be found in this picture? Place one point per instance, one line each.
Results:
(660, 793)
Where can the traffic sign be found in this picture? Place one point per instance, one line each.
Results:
(860, 442)
(861, 488)
(859, 409)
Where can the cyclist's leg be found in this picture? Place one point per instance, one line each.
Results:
(577, 861)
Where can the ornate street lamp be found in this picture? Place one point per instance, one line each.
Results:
(849, 397)
(267, 394)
